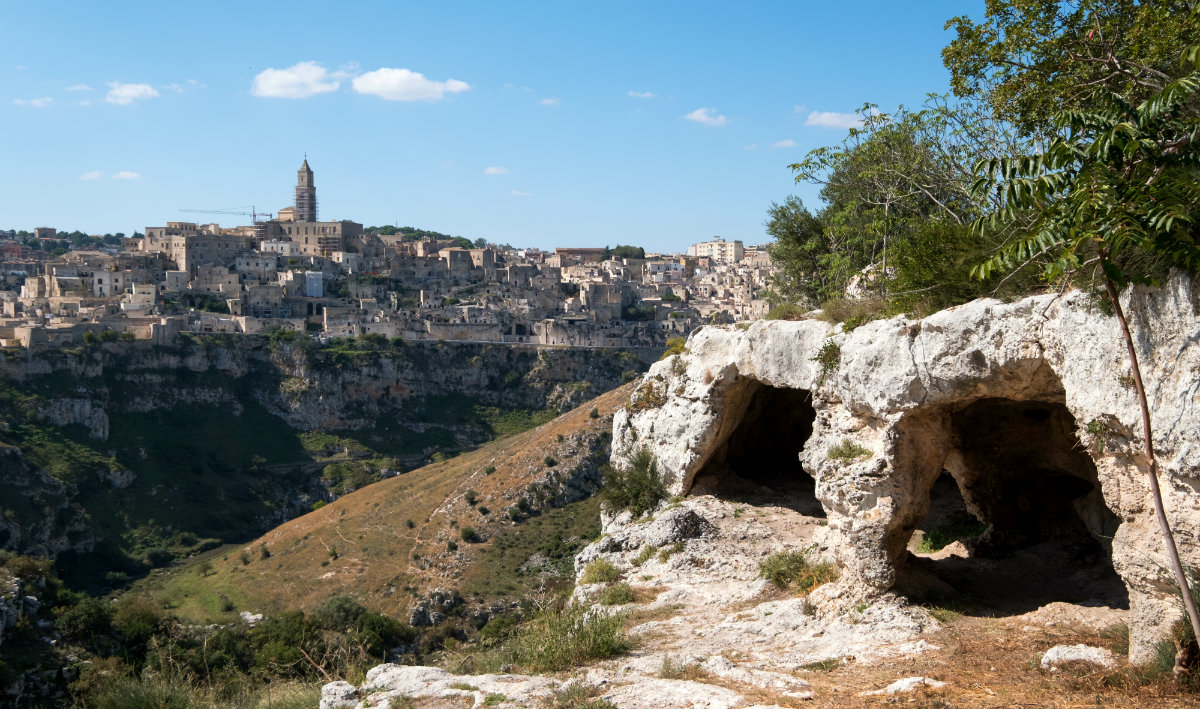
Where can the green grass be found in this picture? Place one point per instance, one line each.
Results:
(792, 569)
(600, 571)
(848, 451)
(557, 639)
(637, 488)
(617, 594)
(940, 536)
(557, 534)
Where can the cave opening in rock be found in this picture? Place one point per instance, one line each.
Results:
(1016, 518)
(758, 459)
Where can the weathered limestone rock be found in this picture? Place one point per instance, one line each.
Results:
(1027, 405)
(1063, 654)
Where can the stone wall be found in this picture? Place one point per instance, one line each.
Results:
(1028, 406)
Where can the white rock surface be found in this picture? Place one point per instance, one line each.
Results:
(1063, 654)
(908, 684)
(898, 384)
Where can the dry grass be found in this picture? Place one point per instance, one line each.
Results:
(994, 663)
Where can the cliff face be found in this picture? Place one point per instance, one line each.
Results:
(1025, 412)
(139, 452)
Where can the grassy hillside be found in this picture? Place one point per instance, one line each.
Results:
(469, 523)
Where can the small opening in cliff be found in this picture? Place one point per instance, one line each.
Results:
(1016, 518)
(758, 457)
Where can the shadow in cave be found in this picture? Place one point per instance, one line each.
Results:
(758, 462)
(1016, 519)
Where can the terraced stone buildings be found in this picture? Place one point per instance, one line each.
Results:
(335, 278)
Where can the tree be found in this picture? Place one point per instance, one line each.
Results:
(1031, 59)
(801, 253)
(1116, 191)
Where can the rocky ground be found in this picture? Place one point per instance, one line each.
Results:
(711, 633)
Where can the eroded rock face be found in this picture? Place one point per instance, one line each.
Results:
(1028, 406)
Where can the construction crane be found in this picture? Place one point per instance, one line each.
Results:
(253, 213)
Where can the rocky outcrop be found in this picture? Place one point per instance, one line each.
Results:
(37, 515)
(1028, 406)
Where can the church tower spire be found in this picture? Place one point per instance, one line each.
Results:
(306, 194)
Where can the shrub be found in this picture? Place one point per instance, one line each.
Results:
(409, 523)
(829, 357)
(489, 470)
(451, 545)
(942, 535)
(785, 311)
(594, 413)
(848, 451)
(471, 497)
(557, 639)
(469, 535)
(550, 461)
(617, 594)
(675, 346)
(793, 569)
(600, 571)
(638, 488)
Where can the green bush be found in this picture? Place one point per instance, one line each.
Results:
(793, 569)
(617, 594)
(557, 639)
(848, 451)
(675, 346)
(785, 311)
(638, 488)
(469, 535)
(600, 571)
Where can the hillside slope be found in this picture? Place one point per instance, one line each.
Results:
(394, 541)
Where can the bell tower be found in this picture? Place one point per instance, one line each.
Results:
(306, 194)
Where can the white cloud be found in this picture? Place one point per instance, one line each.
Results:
(93, 175)
(299, 80)
(799, 108)
(85, 102)
(830, 119)
(495, 170)
(125, 94)
(405, 85)
(707, 116)
(126, 175)
(551, 101)
(641, 94)
(519, 193)
(34, 102)
(750, 146)
(177, 88)
(788, 143)
(79, 87)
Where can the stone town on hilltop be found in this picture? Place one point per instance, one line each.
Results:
(335, 278)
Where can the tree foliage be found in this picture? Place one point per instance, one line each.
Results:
(1030, 59)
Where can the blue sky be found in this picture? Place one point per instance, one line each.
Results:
(538, 124)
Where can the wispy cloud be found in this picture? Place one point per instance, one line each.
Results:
(519, 193)
(299, 80)
(799, 108)
(495, 170)
(79, 87)
(830, 119)
(551, 101)
(125, 94)
(177, 88)
(707, 116)
(750, 146)
(405, 85)
(127, 175)
(93, 175)
(788, 143)
(641, 94)
(34, 102)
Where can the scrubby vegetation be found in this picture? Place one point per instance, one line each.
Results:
(637, 488)
(794, 570)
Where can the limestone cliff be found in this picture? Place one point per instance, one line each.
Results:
(1027, 406)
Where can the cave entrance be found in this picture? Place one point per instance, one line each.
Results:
(1016, 518)
(758, 459)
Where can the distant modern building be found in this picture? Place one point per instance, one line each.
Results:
(45, 232)
(719, 250)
